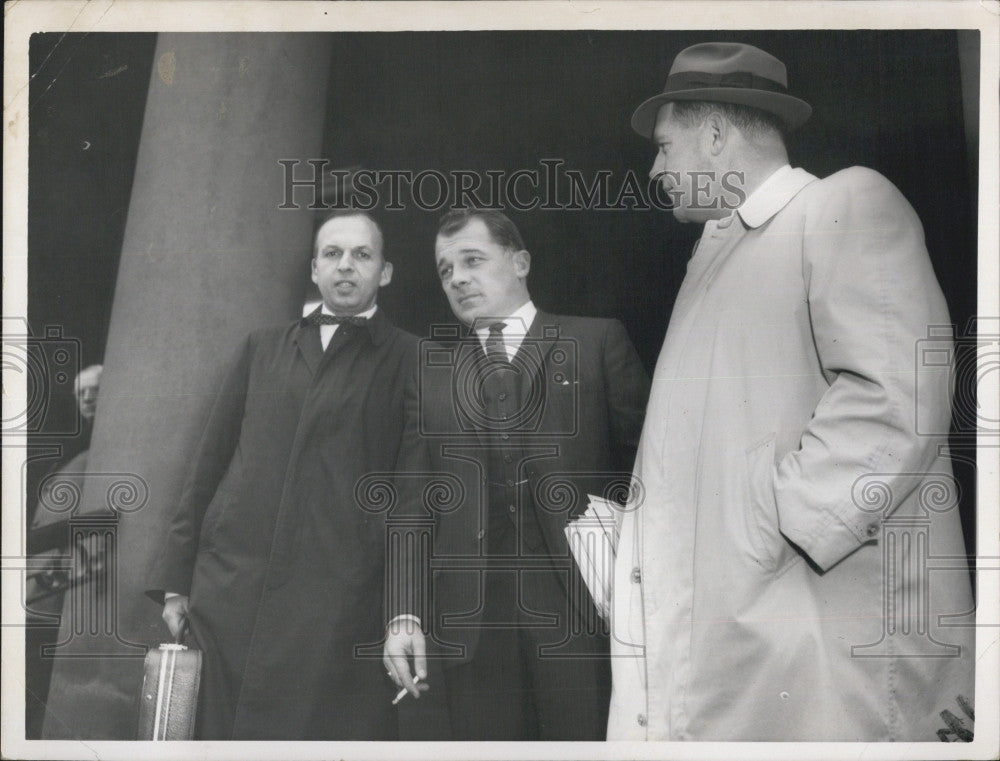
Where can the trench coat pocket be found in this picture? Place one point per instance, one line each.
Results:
(769, 546)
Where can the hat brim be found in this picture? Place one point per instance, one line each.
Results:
(792, 111)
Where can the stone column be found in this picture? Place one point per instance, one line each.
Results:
(207, 256)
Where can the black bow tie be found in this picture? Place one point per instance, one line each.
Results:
(319, 318)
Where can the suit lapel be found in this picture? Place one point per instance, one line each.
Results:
(467, 394)
(307, 340)
(531, 357)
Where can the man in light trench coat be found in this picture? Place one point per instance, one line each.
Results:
(772, 583)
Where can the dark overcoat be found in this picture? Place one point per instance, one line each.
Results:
(283, 566)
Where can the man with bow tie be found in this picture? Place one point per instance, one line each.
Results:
(270, 561)
(530, 412)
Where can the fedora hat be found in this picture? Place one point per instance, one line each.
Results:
(726, 72)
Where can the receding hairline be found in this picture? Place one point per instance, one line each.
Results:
(379, 237)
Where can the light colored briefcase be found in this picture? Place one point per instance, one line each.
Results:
(169, 700)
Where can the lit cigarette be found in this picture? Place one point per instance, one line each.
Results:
(402, 693)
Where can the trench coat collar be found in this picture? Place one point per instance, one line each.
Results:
(773, 195)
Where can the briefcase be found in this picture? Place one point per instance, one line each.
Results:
(169, 699)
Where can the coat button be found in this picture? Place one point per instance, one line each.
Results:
(481, 534)
(641, 719)
(510, 482)
(502, 396)
(511, 508)
(872, 529)
(507, 458)
(636, 575)
(504, 436)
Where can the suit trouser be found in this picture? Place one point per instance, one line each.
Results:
(517, 688)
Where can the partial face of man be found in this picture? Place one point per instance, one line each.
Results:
(87, 385)
(481, 278)
(348, 265)
(684, 167)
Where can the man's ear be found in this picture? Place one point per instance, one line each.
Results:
(522, 262)
(312, 270)
(716, 132)
(386, 277)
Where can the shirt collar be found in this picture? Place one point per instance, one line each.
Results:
(517, 322)
(772, 195)
(367, 314)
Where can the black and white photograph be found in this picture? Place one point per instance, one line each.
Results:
(501, 380)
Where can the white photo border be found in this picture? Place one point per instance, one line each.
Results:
(25, 18)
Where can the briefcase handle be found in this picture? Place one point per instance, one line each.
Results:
(178, 643)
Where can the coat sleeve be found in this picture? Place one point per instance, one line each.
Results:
(627, 387)
(872, 296)
(407, 568)
(173, 571)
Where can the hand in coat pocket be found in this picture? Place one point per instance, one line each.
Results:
(769, 546)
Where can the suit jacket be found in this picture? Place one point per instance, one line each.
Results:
(281, 561)
(583, 395)
(791, 455)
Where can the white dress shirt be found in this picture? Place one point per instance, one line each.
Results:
(326, 331)
(515, 328)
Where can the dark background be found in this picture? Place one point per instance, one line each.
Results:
(889, 100)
